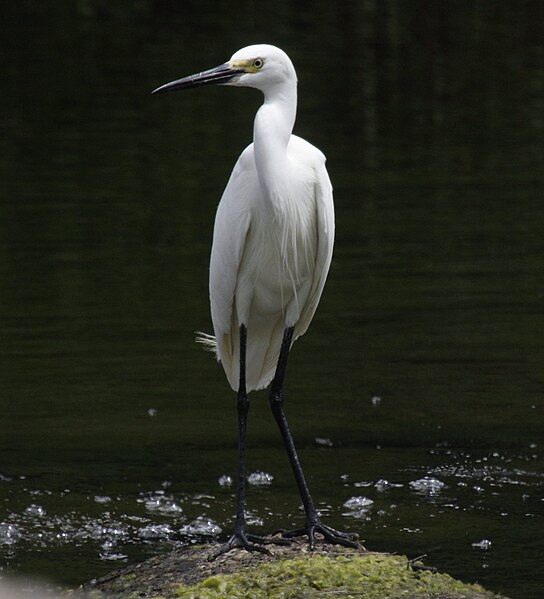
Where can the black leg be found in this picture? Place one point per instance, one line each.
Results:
(242, 406)
(313, 523)
(240, 537)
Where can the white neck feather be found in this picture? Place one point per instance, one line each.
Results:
(271, 133)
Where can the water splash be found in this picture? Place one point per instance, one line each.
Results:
(484, 544)
(323, 442)
(260, 479)
(9, 533)
(102, 499)
(428, 485)
(201, 526)
(225, 480)
(358, 502)
(156, 531)
(358, 507)
(35, 510)
(161, 503)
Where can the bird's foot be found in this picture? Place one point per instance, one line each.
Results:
(330, 535)
(243, 540)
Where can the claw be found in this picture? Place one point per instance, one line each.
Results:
(249, 542)
(347, 539)
(239, 540)
(330, 535)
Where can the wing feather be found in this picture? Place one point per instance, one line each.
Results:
(325, 242)
(232, 224)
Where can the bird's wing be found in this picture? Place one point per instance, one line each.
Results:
(325, 242)
(232, 223)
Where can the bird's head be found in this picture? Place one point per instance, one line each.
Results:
(260, 66)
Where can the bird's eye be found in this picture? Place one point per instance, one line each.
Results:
(258, 63)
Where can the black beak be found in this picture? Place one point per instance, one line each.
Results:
(221, 74)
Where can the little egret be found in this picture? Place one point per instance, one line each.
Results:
(271, 252)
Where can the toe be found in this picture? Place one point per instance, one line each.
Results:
(240, 541)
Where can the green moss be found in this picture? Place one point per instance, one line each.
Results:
(369, 576)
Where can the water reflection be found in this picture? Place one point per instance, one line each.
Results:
(431, 117)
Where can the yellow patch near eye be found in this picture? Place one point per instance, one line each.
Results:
(247, 65)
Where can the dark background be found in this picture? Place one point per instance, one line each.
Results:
(431, 115)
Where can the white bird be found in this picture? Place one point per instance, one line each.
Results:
(272, 248)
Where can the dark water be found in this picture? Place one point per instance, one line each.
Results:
(425, 357)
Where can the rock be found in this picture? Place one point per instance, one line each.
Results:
(289, 572)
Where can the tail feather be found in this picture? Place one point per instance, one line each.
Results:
(208, 342)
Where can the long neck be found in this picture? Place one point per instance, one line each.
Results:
(271, 132)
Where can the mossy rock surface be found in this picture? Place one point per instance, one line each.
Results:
(290, 572)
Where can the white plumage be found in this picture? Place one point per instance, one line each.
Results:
(270, 257)
(274, 231)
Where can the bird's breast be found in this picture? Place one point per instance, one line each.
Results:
(279, 256)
